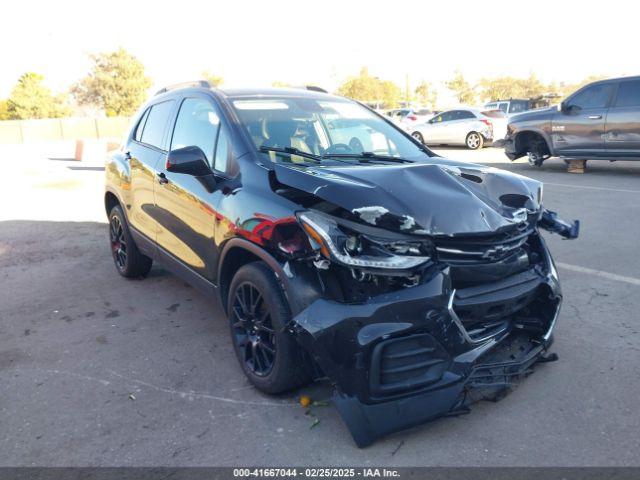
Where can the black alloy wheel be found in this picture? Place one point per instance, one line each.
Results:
(118, 243)
(253, 331)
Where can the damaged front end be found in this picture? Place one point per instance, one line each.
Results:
(410, 323)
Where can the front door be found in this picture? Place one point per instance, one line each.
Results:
(440, 128)
(622, 129)
(579, 129)
(186, 205)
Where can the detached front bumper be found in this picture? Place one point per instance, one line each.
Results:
(405, 357)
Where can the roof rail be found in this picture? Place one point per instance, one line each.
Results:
(313, 88)
(195, 83)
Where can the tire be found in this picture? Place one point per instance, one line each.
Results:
(418, 136)
(129, 262)
(258, 316)
(474, 141)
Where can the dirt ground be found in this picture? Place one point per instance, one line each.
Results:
(98, 370)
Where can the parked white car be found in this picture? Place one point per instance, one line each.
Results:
(509, 107)
(499, 120)
(464, 126)
(406, 118)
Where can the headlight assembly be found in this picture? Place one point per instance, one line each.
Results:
(358, 246)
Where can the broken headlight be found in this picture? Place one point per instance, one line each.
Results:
(359, 246)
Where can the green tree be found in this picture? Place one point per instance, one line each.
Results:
(372, 90)
(117, 83)
(426, 94)
(504, 88)
(31, 99)
(463, 90)
(214, 80)
(4, 110)
(566, 89)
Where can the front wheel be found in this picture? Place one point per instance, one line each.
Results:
(474, 141)
(258, 317)
(418, 136)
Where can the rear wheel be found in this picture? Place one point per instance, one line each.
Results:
(258, 317)
(127, 258)
(474, 141)
(418, 136)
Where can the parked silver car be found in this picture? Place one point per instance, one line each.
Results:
(464, 126)
(406, 118)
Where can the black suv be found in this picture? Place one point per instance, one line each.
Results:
(340, 248)
(599, 121)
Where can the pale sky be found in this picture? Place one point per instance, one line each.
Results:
(253, 43)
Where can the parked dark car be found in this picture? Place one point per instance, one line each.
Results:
(417, 285)
(599, 121)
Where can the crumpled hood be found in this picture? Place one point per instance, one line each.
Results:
(439, 198)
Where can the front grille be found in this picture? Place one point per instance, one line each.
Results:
(491, 302)
(486, 259)
(464, 251)
(407, 363)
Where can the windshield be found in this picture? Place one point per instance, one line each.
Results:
(280, 127)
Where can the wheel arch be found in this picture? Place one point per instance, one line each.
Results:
(523, 139)
(238, 252)
(111, 200)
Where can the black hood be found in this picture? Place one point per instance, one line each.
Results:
(441, 198)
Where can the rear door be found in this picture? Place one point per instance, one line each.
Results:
(579, 130)
(622, 128)
(144, 151)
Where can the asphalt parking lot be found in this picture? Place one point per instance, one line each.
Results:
(98, 370)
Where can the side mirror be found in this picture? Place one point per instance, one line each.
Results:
(568, 109)
(188, 160)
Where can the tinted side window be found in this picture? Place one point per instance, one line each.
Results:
(138, 135)
(517, 107)
(628, 94)
(596, 96)
(465, 114)
(197, 125)
(156, 124)
(444, 117)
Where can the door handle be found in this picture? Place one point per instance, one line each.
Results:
(594, 117)
(162, 178)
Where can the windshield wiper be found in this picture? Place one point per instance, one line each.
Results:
(292, 151)
(365, 157)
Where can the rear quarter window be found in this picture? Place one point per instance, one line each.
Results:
(156, 124)
(137, 136)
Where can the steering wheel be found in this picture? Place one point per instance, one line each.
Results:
(338, 148)
(356, 145)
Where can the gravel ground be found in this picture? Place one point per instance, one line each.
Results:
(98, 370)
